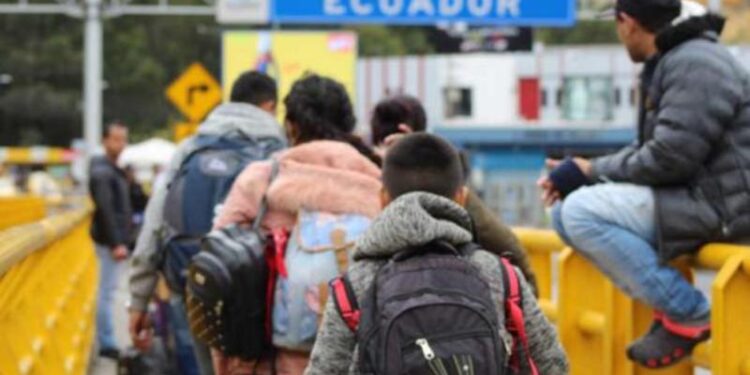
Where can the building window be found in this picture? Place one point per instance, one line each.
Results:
(588, 98)
(458, 102)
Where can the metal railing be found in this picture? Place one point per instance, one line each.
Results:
(596, 321)
(48, 274)
(21, 210)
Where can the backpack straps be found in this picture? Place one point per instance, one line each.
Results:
(263, 208)
(514, 319)
(346, 302)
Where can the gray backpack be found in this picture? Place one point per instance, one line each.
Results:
(430, 312)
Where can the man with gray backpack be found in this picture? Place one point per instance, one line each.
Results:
(420, 298)
(179, 215)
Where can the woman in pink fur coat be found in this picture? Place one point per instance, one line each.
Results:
(327, 169)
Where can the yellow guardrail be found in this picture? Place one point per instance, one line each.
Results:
(48, 275)
(36, 155)
(21, 210)
(596, 322)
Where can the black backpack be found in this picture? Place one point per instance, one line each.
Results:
(230, 289)
(201, 184)
(429, 312)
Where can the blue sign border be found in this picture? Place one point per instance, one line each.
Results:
(568, 21)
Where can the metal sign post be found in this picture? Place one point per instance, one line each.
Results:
(92, 71)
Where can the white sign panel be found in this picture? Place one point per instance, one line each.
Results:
(243, 11)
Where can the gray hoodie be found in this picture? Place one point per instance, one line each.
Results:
(413, 220)
(148, 254)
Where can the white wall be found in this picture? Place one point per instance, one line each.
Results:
(493, 81)
(491, 78)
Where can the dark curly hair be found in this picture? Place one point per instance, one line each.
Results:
(320, 109)
(393, 111)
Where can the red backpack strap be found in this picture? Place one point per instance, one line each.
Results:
(346, 302)
(514, 319)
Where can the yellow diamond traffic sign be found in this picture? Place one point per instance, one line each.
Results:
(184, 130)
(195, 92)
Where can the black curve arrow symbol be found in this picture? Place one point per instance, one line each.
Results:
(193, 89)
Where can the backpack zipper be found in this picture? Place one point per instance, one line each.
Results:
(427, 352)
(437, 367)
(450, 337)
(494, 334)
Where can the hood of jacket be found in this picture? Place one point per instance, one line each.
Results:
(240, 117)
(327, 176)
(708, 26)
(413, 220)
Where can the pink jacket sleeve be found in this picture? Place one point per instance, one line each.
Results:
(244, 198)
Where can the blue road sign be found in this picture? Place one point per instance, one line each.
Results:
(427, 12)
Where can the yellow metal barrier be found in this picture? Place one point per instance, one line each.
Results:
(35, 155)
(48, 275)
(541, 245)
(596, 321)
(22, 210)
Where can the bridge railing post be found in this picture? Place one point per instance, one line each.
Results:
(730, 344)
(585, 318)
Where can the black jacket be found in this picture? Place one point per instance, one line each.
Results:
(111, 194)
(694, 140)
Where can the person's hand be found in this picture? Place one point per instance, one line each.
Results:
(140, 330)
(120, 253)
(392, 139)
(549, 194)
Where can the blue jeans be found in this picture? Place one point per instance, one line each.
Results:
(109, 272)
(614, 226)
(193, 357)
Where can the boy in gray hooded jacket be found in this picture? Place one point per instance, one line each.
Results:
(423, 197)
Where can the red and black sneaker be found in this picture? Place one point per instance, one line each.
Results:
(668, 342)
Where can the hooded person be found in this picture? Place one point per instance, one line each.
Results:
(396, 116)
(327, 169)
(683, 183)
(250, 114)
(423, 196)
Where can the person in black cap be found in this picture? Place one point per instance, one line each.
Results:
(683, 183)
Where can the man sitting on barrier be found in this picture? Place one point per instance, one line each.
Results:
(684, 182)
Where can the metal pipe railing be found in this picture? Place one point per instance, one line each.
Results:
(48, 281)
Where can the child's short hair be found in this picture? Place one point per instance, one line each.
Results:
(423, 162)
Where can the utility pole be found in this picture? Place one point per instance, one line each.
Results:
(92, 75)
(93, 11)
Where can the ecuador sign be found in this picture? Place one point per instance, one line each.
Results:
(486, 12)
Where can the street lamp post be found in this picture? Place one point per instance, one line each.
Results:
(92, 71)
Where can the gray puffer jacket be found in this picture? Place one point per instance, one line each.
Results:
(148, 256)
(413, 220)
(694, 140)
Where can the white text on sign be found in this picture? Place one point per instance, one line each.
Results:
(414, 8)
